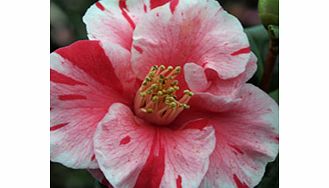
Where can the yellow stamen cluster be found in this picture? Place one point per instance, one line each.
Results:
(156, 97)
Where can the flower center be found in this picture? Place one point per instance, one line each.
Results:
(156, 101)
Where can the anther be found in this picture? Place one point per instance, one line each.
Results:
(148, 79)
(185, 106)
(173, 83)
(156, 100)
(178, 69)
(170, 90)
(154, 68)
(188, 92)
(173, 105)
(176, 88)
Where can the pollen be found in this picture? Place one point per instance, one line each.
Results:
(156, 99)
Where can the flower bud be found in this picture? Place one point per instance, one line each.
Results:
(268, 11)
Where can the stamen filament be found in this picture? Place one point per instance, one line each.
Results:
(156, 98)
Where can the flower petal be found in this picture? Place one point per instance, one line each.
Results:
(195, 77)
(132, 153)
(83, 85)
(246, 140)
(190, 31)
(213, 93)
(114, 20)
(228, 86)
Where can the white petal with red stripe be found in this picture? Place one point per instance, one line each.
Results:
(132, 153)
(246, 140)
(114, 20)
(213, 93)
(83, 85)
(180, 32)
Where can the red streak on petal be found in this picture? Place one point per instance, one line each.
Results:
(179, 182)
(238, 182)
(62, 79)
(153, 170)
(173, 5)
(241, 51)
(145, 8)
(157, 3)
(54, 128)
(197, 124)
(123, 6)
(130, 21)
(125, 140)
(276, 138)
(71, 97)
(236, 149)
(139, 49)
(100, 6)
(93, 61)
(93, 157)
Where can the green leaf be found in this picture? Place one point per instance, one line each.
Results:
(258, 39)
(274, 31)
(268, 11)
(259, 42)
(275, 95)
(271, 176)
(63, 177)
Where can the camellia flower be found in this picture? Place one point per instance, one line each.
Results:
(158, 98)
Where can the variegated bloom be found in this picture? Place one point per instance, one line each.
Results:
(158, 98)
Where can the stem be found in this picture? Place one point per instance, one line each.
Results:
(269, 64)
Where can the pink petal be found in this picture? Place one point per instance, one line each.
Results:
(132, 153)
(195, 77)
(120, 59)
(213, 93)
(180, 32)
(114, 20)
(83, 85)
(228, 86)
(246, 140)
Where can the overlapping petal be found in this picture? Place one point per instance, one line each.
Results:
(83, 85)
(111, 21)
(115, 20)
(213, 93)
(139, 155)
(246, 140)
(231, 127)
(181, 32)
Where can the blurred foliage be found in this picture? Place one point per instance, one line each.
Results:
(259, 42)
(66, 24)
(275, 95)
(269, 12)
(66, 27)
(63, 177)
